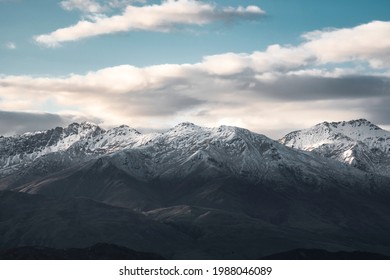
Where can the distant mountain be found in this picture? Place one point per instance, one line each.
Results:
(358, 143)
(188, 193)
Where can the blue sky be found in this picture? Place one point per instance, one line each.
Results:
(255, 64)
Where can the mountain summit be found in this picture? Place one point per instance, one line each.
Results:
(358, 143)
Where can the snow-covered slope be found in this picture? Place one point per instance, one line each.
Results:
(358, 143)
(79, 141)
(187, 147)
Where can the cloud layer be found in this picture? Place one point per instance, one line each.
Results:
(162, 18)
(269, 91)
(12, 123)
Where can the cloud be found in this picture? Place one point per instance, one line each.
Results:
(306, 88)
(268, 91)
(12, 123)
(88, 6)
(319, 48)
(377, 110)
(274, 59)
(10, 45)
(93, 6)
(162, 18)
(367, 42)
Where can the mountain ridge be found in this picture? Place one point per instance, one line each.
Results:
(180, 150)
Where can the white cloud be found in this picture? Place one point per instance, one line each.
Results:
(162, 18)
(94, 6)
(274, 59)
(122, 3)
(226, 64)
(10, 45)
(89, 6)
(293, 86)
(367, 42)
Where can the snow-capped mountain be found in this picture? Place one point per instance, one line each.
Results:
(358, 143)
(223, 192)
(186, 148)
(77, 141)
(181, 156)
(177, 153)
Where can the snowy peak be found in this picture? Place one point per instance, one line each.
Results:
(84, 128)
(360, 130)
(362, 123)
(185, 127)
(79, 138)
(108, 141)
(123, 130)
(358, 143)
(185, 134)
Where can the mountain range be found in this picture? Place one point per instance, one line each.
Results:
(198, 193)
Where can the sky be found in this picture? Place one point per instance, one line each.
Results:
(270, 66)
